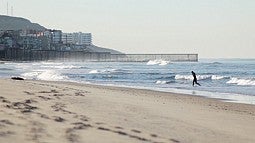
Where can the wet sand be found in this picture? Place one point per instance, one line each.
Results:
(43, 111)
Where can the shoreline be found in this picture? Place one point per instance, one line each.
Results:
(221, 96)
(50, 111)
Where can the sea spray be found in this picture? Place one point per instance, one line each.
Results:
(158, 62)
(51, 75)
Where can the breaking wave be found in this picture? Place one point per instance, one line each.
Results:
(158, 62)
(31, 75)
(162, 82)
(109, 71)
(200, 77)
(218, 77)
(49, 75)
(240, 81)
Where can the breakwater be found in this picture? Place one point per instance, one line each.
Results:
(14, 54)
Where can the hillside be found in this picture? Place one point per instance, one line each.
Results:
(93, 48)
(18, 23)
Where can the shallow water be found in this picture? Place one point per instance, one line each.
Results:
(227, 79)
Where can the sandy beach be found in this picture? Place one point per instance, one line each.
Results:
(54, 112)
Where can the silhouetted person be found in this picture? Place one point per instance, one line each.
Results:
(195, 79)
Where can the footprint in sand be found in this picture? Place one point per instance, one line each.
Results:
(6, 133)
(58, 119)
(23, 107)
(79, 94)
(29, 93)
(125, 134)
(174, 140)
(117, 127)
(52, 91)
(136, 131)
(154, 135)
(82, 117)
(60, 107)
(44, 98)
(70, 132)
(4, 100)
(6, 122)
(36, 131)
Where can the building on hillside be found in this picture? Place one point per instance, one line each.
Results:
(77, 38)
(31, 43)
(85, 38)
(9, 38)
(67, 38)
(51, 39)
(56, 36)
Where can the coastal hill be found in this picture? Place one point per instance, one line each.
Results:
(93, 48)
(18, 23)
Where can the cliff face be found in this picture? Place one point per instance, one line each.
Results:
(17, 23)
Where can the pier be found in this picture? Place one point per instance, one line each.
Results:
(15, 54)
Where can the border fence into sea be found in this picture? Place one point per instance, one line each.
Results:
(14, 54)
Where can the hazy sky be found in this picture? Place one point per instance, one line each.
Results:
(211, 28)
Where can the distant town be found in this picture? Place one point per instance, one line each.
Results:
(21, 40)
(48, 39)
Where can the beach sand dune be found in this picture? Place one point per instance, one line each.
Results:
(43, 111)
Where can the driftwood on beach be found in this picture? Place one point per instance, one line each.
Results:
(17, 78)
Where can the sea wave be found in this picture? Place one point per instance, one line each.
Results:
(95, 71)
(49, 75)
(63, 67)
(51, 63)
(5, 69)
(240, 81)
(109, 71)
(166, 77)
(215, 63)
(218, 77)
(162, 82)
(158, 62)
(200, 77)
(31, 75)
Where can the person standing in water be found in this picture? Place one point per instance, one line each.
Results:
(195, 79)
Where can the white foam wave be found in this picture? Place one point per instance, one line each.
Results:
(108, 71)
(61, 66)
(199, 77)
(95, 71)
(183, 77)
(31, 75)
(162, 82)
(158, 62)
(51, 63)
(239, 81)
(218, 77)
(51, 75)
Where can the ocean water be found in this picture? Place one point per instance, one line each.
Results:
(232, 80)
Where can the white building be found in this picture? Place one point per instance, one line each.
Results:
(57, 36)
(67, 38)
(86, 38)
(77, 38)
